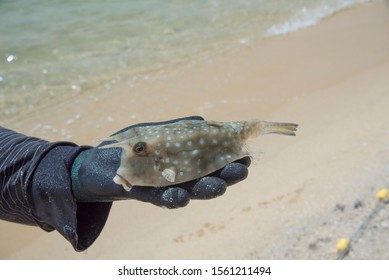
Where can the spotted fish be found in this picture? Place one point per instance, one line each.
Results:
(173, 153)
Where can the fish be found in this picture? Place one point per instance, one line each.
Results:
(177, 152)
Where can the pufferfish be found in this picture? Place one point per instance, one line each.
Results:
(173, 153)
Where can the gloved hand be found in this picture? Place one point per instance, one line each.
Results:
(94, 169)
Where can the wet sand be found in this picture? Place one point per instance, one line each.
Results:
(301, 196)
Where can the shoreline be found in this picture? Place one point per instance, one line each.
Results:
(331, 79)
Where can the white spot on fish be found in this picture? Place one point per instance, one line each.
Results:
(195, 152)
(214, 141)
(186, 162)
(169, 175)
(177, 144)
(189, 143)
(167, 144)
(176, 162)
(201, 141)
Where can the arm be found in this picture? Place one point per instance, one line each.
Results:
(35, 189)
(70, 189)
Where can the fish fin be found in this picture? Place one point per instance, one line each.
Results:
(169, 174)
(251, 149)
(121, 181)
(214, 123)
(279, 128)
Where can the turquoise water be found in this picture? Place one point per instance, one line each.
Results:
(52, 50)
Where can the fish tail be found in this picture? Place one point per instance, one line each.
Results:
(279, 128)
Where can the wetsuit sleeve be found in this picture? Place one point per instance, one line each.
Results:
(35, 189)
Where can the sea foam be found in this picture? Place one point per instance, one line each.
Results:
(306, 17)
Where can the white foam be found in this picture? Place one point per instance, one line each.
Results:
(306, 17)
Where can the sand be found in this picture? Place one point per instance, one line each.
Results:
(301, 196)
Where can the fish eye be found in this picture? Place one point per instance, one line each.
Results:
(139, 148)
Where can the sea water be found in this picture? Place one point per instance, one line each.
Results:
(51, 50)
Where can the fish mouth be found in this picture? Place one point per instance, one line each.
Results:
(118, 179)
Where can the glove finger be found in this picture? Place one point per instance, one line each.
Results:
(233, 172)
(245, 161)
(216, 183)
(207, 188)
(164, 197)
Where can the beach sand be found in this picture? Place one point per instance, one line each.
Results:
(301, 196)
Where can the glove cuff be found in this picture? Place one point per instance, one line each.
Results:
(79, 193)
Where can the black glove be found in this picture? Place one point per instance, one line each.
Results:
(94, 169)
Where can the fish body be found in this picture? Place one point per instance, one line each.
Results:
(173, 153)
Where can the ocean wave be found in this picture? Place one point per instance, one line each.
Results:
(306, 17)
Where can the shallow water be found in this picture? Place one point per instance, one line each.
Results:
(55, 50)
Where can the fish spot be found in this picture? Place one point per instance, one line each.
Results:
(168, 138)
(228, 156)
(158, 136)
(202, 141)
(186, 162)
(167, 160)
(167, 144)
(181, 173)
(189, 143)
(195, 152)
(177, 144)
(157, 152)
(176, 162)
(225, 143)
(214, 141)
